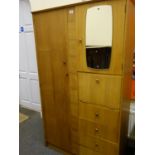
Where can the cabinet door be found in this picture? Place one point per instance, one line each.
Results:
(50, 33)
(104, 90)
(118, 21)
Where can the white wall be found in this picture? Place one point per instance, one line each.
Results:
(29, 94)
(45, 4)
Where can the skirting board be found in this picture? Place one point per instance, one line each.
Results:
(35, 107)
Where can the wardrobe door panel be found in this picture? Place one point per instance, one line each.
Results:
(116, 54)
(53, 75)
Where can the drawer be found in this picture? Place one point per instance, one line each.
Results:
(104, 131)
(97, 145)
(74, 149)
(100, 89)
(106, 118)
(86, 151)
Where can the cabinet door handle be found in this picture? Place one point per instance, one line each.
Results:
(80, 41)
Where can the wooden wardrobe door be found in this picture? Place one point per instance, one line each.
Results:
(118, 21)
(50, 33)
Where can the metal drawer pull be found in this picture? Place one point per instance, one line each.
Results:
(64, 62)
(97, 81)
(97, 114)
(96, 130)
(96, 145)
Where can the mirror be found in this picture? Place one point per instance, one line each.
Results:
(99, 36)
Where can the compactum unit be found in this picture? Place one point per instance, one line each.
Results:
(84, 55)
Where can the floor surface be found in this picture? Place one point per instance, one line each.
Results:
(31, 139)
(31, 136)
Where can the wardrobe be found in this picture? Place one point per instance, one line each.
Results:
(84, 56)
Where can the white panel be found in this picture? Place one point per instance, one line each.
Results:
(21, 14)
(33, 76)
(28, 77)
(30, 43)
(99, 26)
(131, 125)
(23, 75)
(22, 53)
(35, 95)
(28, 28)
(44, 4)
(24, 89)
(27, 13)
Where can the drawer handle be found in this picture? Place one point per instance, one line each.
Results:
(64, 62)
(96, 130)
(97, 81)
(97, 114)
(67, 74)
(96, 145)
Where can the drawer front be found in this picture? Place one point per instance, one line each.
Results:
(109, 132)
(74, 149)
(100, 89)
(98, 145)
(86, 151)
(105, 120)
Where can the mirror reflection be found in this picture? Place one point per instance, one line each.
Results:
(99, 36)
